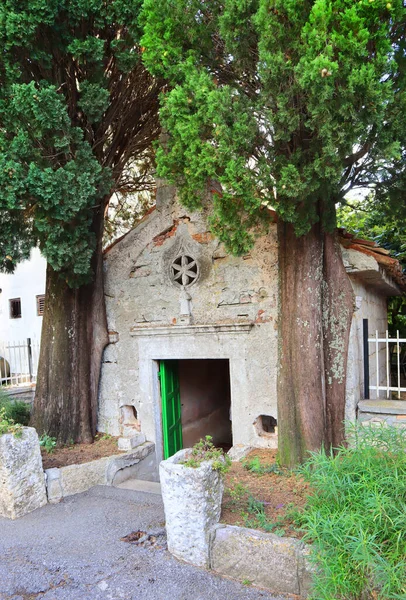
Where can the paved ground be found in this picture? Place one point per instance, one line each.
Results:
(72, 551)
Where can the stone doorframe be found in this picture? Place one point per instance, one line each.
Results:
(184, 342)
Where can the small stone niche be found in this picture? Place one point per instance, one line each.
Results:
(129, 418)
(266, 426)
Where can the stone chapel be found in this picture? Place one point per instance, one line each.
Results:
(194, 335)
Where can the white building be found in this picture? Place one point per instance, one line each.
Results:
(21, 308)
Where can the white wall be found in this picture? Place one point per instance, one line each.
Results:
(27, 282)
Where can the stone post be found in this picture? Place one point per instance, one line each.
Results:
(22, 479)
(192, 501)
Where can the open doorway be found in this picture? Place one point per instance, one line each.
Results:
(196, 401)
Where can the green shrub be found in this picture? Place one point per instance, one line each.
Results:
(8, 426)
(48, 443)
(16, 410)
(254, 466)
(205, 450)
(356, 517)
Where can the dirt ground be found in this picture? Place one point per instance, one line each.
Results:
(258, 493)
(103, 445)
(261, 495)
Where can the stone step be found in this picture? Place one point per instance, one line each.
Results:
(139, 485)
(388, 407)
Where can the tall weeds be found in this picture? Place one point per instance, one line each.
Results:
(356, 517)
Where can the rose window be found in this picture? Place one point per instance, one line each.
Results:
(184, 270)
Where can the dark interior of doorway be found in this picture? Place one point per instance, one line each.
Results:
(205, 398)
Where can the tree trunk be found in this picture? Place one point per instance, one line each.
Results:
(74, 335)
(316, 307)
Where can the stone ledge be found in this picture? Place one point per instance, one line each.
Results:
(279, 564)
(74, 479)
(383, 407)
(191, 329)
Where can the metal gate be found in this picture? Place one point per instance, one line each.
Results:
(19, 362)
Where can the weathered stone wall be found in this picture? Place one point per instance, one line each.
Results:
(230, 312)
(372, 306)
(22, 482)
(382, 412)
(141, 301)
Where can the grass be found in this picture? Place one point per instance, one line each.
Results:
(252, 511)
(356, 518)
(254, 466)
(16, 410)
(7, 425)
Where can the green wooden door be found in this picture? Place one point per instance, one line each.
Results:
(171, 409)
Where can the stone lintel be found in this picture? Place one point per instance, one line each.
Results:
(168, 330)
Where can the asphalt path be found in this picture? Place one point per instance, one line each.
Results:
(73, 551)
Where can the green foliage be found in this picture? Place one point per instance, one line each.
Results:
(376, 221)
(105, 437)
(381, 221)
(17, 411)
(254, 466)
(126, 209)
(287, 103)
(356, 518)
(238, 493)
(7, 425)
(48, 443)
(254, 517)
(71, 87)
(205, 450)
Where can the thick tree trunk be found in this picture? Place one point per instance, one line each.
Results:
(74, 335)
(316, 307)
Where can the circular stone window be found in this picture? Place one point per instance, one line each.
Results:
(184, 270)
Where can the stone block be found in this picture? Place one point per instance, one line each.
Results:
(129, 430)
(22, 480)
(239, 451)
(192, 503)
(277, 563)
(126, 461)
(383, 407)
(129, 443)
(54, 486)
(74, 479)
(79, 478)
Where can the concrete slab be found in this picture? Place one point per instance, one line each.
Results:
(73, 551)
(138, 485)
(388, 407)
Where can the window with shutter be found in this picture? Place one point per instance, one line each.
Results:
(40, 305)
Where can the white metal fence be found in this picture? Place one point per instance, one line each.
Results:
(19, 362)
(389, 365)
